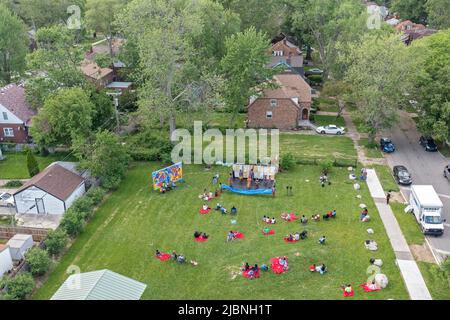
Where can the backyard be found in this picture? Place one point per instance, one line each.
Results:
(134, 221)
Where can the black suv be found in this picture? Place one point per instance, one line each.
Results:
(402, 175)
(428, 143)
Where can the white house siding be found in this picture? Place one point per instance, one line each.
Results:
(6, 262)
(12, 119)
(75, 195)
(26, 199)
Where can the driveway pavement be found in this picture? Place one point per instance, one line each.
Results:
(425, 168)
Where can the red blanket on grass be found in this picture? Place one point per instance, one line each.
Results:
(204, 211)
(246, 273)
(277, 267)
(292, 217)
(366, 288)
(201, 239)
(164, 256)
(349, 294)
(270, 232)
(290, 241)
(238, 235)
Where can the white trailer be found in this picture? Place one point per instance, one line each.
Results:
(19, 245)
(426, 206)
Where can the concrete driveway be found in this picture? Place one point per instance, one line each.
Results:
(425, 168)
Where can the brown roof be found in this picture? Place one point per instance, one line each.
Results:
(92, 70)
(291, 86)
(13, 98)
(55, 180)
(415, 26)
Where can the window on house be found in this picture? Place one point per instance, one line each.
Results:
(273, 102)
(269, 114)
(8, 132)
(278, 53)
(5, 116)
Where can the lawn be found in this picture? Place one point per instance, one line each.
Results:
(408, 224)
(370, 151)
(15, 165)
(386, 178)
(134, 221)
(321, 120)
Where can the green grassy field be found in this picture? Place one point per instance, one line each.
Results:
(386, 178)
(134, 221)
(15, 165)
(369, 151)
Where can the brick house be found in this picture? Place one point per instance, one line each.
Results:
(287, 53)
(409, 25)
(281, 108)
(100, 77)
(15, 115)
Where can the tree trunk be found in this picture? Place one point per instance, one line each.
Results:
(341, 104)
(172, 125)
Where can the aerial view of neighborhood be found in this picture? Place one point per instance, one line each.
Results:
(224, 150)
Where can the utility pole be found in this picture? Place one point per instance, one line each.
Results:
(115, 96)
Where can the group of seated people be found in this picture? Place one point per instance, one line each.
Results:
(206, 196)
(268, 220)
(198, 234)
(288, 216)
(224, 210)
(364, 217)
(252, 271)
(205, 207)
(176, 257)
(319, 268)
(330, 214)
(231, 236)
(167, 187)
(297, 236)
(284, 263)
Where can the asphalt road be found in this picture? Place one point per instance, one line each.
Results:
(426, 168)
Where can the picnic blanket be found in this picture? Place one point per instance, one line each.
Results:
(204, 211)
(349, 294)
(238, 235)
(312, 268)
(366, 288)
(292, 217)
(290, 241)
(164, 256)
(276, 266)
(246, 273)
(270, 232)
(201, 239)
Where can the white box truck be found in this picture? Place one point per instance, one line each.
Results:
(426, 206)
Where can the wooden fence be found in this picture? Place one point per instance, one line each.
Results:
(39, 234)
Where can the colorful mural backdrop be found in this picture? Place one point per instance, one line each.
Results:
(167, 175)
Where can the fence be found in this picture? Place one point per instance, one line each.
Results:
(39, 235)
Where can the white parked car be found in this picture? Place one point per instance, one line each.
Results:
(6, 199)
(330, 129)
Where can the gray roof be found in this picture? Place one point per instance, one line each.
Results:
(99, 285)
(18, 240)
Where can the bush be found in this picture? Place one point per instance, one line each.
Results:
(326, 165)
(72, 223)
(287, 161)
(38, 261)
(32, 164)
(56, 241)
(19, 287)
(82, 207)
(96, 195)
(13, 184)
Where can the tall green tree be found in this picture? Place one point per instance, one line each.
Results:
(32, 164)
(244, 68)
(65, 115)
(431, 79)
(438, 12)
(13, 44)
(379, 75)
(413, 10)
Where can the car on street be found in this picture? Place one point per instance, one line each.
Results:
(6, 199)
(402, 175)
(447, 172)
(428, 143)
(330, 129)
(315, 71)
(387, 145)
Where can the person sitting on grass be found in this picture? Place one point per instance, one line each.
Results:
(231, 236)
(233, 210)
(372, 285)
(158, 253)
(204, 235)
(266, 230)
(181, 259)
(205, 207)
(210, 195)
(283, 262)
(325, 216)
(290, 237)
(321, 268)
(312, 268)
(223, 210)
(273, 221)
(304, 220)
(333, 213)
(264, 267)
(216, 193)
(218, 207)
(296, 236)
(265, 219)
(246, 267)
(347, 289)
(322, 240)
(315, 217)
(364, 213)
(304, 235)
(197, 234)
(286, 216)
(174, 255)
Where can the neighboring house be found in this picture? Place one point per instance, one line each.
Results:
(51, 191)
(99, 285)
(284, 52)
(6, 262)
(102, 47)
(411, 35)
(119, 86)
(15, 114)
(19, 244)
(409, 25)
(281, 108)
(100, 77)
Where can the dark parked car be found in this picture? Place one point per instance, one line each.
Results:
(402, 175)
(387, 145)
(447, 172)
(428, 143)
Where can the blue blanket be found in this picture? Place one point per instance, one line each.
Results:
(248, 192)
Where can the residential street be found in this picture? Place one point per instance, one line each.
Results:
(425, 167)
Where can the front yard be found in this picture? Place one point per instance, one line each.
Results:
(134, 221)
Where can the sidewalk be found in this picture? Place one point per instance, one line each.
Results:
(415, 284)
